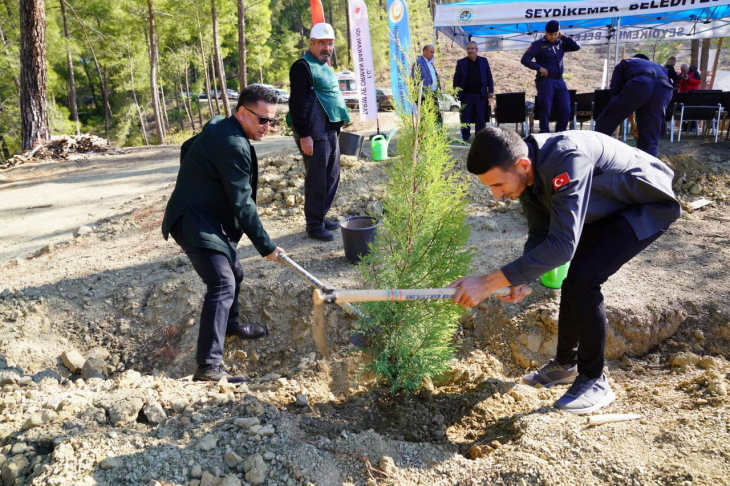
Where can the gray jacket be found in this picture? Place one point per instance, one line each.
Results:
(581, 177)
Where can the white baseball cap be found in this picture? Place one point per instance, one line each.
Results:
(322, 30)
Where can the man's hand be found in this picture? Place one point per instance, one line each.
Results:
(490, 95)
(274, 255)
(543, 73)
(516, 294)
(307, 145)
(560, 34)
(473, 290)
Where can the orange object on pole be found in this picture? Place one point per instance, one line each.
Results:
(317, 11)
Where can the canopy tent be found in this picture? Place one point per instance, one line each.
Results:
(514, 24)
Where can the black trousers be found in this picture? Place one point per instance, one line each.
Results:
(220, 306)
(322, 178)
(604, 246)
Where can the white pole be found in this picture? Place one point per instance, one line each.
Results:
(618, 32)
(608, 60)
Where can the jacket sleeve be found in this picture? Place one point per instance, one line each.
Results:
(528, 56)
(694, 79)
(538, 221)
(457, 77)
(300, 98)
(569, 207)
(490, 80)
(185, 147)
(617, 79)
(569, 45)
(235, 172)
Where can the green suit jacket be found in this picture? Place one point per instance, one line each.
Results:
(215, 192)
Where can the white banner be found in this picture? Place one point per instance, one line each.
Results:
(473, 14)
(362, 55)
(674, 31)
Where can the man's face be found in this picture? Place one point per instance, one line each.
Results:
(322, 49)
(551, 37)
(250, 119)
(684, 69)
(428, 53)
(471, 51)
(509, 184)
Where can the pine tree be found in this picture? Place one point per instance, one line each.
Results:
(421, 243)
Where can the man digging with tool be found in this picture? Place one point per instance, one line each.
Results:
(212, 206)
(588, 199)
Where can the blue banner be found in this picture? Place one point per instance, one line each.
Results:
(400, 52)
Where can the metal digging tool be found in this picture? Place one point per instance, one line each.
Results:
(318, 332)
(340, 297)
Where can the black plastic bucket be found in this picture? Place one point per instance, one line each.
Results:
(350, 143)
(357, 232)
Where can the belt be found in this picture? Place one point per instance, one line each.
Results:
(651, 75)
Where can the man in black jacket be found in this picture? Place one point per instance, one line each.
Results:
(212, 206)
(317, 111)
(588, 199)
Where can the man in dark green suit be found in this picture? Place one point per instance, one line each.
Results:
(212, 206)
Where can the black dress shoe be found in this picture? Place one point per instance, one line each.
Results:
(216, 373)
(246, 330)
(331, 225)
(320, 234)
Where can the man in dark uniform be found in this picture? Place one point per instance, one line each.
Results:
(212, 206)
(672, 72)
(588, 199)
(318, 111)
(641, 86)
(548, 53)
(473, 78)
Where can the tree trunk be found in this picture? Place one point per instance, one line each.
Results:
(102, 81)
(200, 115)
(177, 105)
(704, 58)
(300, 25)
(215, 86)
(153, 77)
(695, 53)
(163, 101)
(70, 64)
(136, 103)
(188, 105)
(218, 60)
(241, 46)
(714, 64)
(205, 67)
(91, 82)
(331, 22)
(33, 110)
(7, 55)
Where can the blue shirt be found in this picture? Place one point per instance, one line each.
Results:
(549, 55)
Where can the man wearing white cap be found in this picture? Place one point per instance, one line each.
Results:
(318, 111)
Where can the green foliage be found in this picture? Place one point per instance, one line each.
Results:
(421, 243)
(660, 51)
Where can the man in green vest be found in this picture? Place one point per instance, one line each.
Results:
(317, 111)
(212, 206)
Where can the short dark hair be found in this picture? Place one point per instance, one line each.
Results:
(251, 95)
(642, 56)
(495, 147)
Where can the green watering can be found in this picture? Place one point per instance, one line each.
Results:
(379, 146)
(554, 278)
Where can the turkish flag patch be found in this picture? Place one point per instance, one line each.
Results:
(561, 180)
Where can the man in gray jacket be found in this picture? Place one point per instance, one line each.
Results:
(590, 200)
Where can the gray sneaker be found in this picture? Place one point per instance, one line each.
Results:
(551, 374)
(586, 395)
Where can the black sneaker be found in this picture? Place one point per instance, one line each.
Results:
(320, 234)
(331, 225)
(216, 373)
(246, 330)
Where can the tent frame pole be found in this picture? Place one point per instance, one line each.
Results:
(618, 36)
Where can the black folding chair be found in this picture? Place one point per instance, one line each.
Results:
(583, 108)
(553, 114)
(698, 105)
(725, 102)
(601, 99)
(511, 108)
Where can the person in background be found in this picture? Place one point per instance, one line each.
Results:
(588, 199)
(212, 206)
(548, 55)
(672, 72)
(429, 75)
(642, 86)
(689, 78)
(318, 112)
(473, 79)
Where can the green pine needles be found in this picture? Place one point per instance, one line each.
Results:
(421, 243)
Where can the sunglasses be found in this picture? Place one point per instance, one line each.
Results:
(262, 119)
